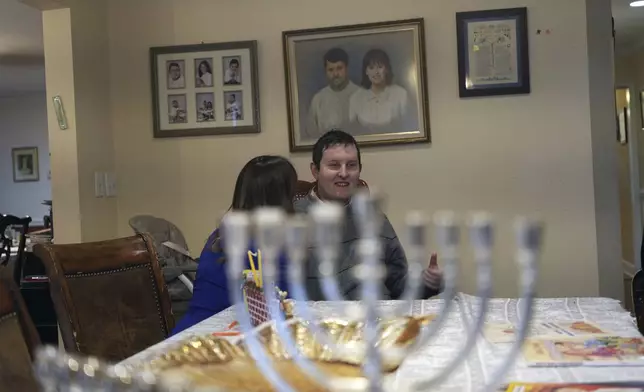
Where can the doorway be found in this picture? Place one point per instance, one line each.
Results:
(629, 187)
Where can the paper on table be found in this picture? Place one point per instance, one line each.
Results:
(499, 333)
(572, 329)
(594, 387)
(504, 333)
(587, 351)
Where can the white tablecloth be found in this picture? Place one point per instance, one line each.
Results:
(605, 312)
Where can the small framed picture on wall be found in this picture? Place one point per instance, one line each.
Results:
(493, 56)
(25, 164)
(205, 89)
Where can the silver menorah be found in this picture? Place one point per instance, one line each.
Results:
(274, 232)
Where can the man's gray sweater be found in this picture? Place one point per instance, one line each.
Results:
(393, 256)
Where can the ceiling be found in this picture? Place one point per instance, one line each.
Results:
(22, 64)
(629, 27)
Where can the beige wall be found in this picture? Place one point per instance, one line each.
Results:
(601, 89)
(509, 155)
(93, 117)
(541, 154)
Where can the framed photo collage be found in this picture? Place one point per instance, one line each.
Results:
(205, 89)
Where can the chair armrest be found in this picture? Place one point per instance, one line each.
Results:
(185, 280)
(177, 248)
(170, 273)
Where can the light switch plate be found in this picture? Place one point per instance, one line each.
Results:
(99, 184)
(110, 184)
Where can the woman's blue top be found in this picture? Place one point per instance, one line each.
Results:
(211, 293)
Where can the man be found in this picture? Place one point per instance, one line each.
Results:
(231, 75)
(175, 79)
(330, 106)
(336, 168)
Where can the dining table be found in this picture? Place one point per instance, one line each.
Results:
(477, 370)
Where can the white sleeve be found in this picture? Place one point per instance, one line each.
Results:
(312, 128)
(403, 101)
(353, 107)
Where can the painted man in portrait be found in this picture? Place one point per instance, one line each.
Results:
(329, 107)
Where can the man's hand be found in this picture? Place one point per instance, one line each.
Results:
(433, 274)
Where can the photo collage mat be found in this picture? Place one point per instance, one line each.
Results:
(205, 89)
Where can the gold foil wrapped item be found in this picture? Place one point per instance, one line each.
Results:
(220, 363)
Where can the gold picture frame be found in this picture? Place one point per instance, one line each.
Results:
(368, 80)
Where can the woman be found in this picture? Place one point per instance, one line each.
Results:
(205, 74)
(264, 181)
(379, 102)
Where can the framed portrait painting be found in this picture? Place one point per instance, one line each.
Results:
(493, 57)
(25, 164)
(205, 89)
(368, 80)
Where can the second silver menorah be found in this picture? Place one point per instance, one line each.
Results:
(320, 232)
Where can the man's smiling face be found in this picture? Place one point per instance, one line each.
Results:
(338, 174)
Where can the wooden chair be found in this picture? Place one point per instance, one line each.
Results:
(303, 188)
(109, 296)
(18, 339)
(177, 265)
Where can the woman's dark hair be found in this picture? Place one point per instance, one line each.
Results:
(376, 57)
(265, 181)
(208, 69)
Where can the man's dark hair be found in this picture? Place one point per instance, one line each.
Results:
(233, 61)
(336, 54)
(173, 64)
(334, 137)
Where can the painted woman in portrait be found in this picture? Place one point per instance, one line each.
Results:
(380, 102)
